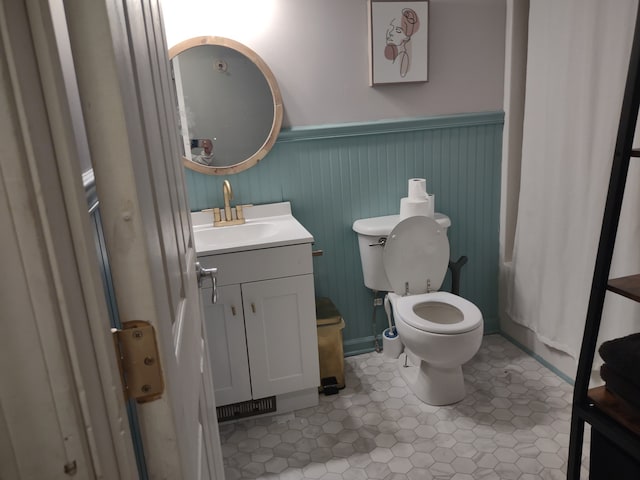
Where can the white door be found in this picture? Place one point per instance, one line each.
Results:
(127, 99)
(59, 398)
(62, 410)
(43, 421)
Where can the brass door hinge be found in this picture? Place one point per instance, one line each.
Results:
(139, 362)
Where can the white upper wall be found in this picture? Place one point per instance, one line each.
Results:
(318, 52)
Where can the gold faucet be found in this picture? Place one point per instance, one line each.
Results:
(229, 211)
(227, 193)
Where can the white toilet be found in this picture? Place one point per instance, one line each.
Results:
(409, 259)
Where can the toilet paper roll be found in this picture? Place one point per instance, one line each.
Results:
(413, 208)
(417, 188)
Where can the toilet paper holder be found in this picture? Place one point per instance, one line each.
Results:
(455, 268)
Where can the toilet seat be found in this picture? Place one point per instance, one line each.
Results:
(468, 317)
(416, 256)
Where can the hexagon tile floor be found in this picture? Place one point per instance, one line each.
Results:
(513, 424)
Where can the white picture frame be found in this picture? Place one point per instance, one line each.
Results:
(398, 41)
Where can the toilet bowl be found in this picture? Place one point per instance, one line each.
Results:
(440, 330)
(443, 331)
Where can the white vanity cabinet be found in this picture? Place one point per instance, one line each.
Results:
(262, 331)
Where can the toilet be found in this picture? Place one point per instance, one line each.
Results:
(409, 259)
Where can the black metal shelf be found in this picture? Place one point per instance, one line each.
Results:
(597, 407)
(613, 419)
(626, 286)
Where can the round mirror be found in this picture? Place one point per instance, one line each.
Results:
(229, 104)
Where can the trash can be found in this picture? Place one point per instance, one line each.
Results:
(330, 350)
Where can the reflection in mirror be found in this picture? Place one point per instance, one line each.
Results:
(229, 103)
(205, 155)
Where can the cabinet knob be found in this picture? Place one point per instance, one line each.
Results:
(253, 307)
(233, 310)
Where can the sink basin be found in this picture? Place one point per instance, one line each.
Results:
(266, 226)
(235, 234)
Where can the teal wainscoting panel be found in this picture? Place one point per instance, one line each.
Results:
(334, 175)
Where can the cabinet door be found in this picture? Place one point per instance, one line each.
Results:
(224, 324)
(281, 335)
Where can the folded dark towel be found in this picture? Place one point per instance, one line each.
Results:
(623, 356)
(622, 387)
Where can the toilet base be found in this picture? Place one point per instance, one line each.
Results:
(434, 385)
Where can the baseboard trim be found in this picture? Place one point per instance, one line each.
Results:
(538, 358)
(357, 346)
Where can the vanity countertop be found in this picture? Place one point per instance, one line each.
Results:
(267, 226)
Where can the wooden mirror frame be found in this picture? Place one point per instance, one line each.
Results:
(275, 92)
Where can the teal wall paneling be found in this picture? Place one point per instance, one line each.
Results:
(333, 175)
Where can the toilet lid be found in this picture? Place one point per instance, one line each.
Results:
(416, 253)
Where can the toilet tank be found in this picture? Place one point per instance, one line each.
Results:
(372, 234)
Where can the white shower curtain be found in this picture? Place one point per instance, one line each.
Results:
(577, 63)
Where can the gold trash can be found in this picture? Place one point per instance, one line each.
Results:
(330, 350)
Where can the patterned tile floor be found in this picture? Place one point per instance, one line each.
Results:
(513, 424)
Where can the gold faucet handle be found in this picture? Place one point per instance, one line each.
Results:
(216, 216)
(239, 213)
